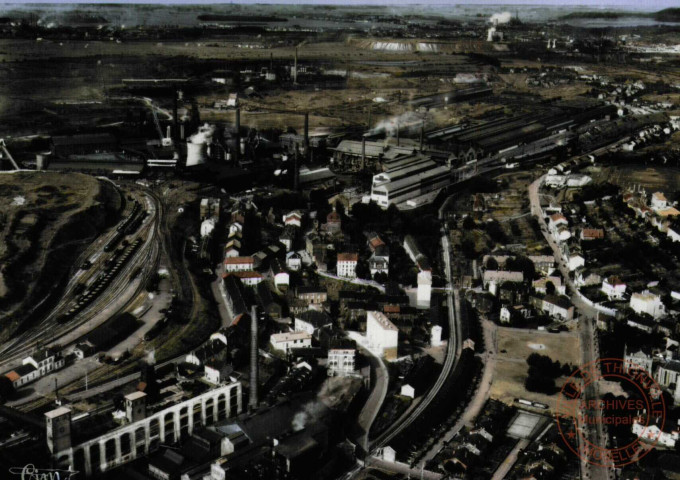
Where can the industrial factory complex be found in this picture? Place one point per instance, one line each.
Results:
(287, 242)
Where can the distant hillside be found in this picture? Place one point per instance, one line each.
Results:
(240, 18)
(607, 14)
(668, 15)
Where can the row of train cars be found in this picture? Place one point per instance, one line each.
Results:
(112, 266)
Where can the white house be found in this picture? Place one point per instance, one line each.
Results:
(575, 261)
(238, 264)
(293, 218)
(673, 233)
(667, 373)
(207, 227)
(341, 362)
(249, 278)
(435, 336)
(613, 287)
(287, 340)
(653, 434)
(558, 306)
(659, 201)
(408, 391)
(347, 265)
(637, 361)
(559, 227)
(505, 315)
(649, 303)
(293, 261)
(382, 335)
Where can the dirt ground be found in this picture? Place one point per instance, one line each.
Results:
(653, 179)
(511, 367)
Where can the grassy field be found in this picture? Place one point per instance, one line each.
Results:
(511, 367)
(47, 219)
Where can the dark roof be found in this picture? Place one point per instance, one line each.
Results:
(560, 301)
(25, 369)
(315, 318)
(309, 289)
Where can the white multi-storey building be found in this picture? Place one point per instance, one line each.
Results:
(649, 303)
(341, 362)
(382, 335)
(347, 265)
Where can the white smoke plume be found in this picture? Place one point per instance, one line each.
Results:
(310, 412)
(404, 122)
(500, 18)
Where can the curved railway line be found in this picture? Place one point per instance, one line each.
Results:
(143, 233)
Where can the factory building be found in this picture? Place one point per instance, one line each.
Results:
(407, 179)
(140, 434)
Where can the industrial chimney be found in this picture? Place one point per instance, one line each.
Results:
(237, 151)
(363, 152)
(295, 66)
(306, 134)
(253, 401)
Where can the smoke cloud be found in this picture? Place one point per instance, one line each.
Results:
(310, 412)
(405, 122)
(500, 18)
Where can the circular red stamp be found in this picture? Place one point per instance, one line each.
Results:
(585, 415)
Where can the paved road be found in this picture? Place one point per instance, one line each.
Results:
(375, 401)
(505, 467)
(589, 348)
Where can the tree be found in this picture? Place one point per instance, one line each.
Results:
(549, 288)
(362, 269)
(469, 223)
(6, 388)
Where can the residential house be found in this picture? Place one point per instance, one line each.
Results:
(238, 264)
(347, 265)
(312, 295)
(312, 321)
(286, 341)
(540, 285)
(293, 219)
(613, 287)
(649, 303)
(294, 261)
(557, 306)
(588, 234)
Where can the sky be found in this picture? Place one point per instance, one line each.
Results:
(639, 4)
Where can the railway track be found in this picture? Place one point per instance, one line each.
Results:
(49, 331)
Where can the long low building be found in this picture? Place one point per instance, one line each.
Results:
(412, 177)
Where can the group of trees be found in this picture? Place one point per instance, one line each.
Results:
(542, 373)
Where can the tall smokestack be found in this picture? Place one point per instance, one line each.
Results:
(175, 120)
(253, 401)
(271, 63)
(422, 134)
(296, 171)
(397, 133)
(306, 134)
(295, 66)
(238, 135)
(363, 152)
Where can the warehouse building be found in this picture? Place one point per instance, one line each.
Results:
(407, 179)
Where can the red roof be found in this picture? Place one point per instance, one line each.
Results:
(593, 233)
(238, 260)
(557, 216)
(391, 309)
(13, 376)
(348, 257)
